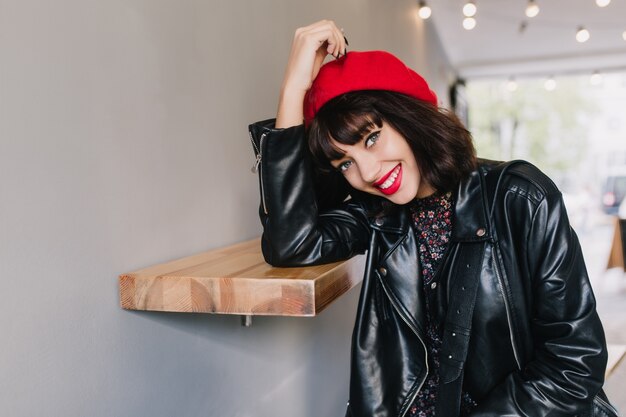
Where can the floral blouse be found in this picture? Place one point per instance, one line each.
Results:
(432, 222)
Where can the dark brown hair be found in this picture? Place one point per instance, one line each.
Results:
(442, 146)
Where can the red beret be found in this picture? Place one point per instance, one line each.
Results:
(371, 70)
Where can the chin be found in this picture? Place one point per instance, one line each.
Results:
(402, 197)
(400, 202)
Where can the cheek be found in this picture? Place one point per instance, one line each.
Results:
(413, 164)
(354, 180)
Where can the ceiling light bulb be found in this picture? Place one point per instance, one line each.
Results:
(424, 11)
(624, 35)
(596, 78)
(469, 23)
(469, 9)
(532, 9)
(603, 3)
(582, 35)
(550, 84)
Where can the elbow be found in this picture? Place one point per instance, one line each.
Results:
(279, 256)
(276, 258)
(292, 254)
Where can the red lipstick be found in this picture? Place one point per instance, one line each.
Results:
(396, 182)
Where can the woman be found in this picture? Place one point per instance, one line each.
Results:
(475, 299)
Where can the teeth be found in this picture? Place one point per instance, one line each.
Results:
(392, 178)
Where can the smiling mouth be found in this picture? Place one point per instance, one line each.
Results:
(390, 183)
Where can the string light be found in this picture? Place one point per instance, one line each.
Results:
(424, 10)
(469, 23)
(532, 9)
(582, 35)
(596, 78)
(469, 9)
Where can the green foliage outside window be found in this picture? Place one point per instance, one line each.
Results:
(547, 128)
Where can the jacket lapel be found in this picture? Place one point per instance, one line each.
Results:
(402, 279)
(398, 244)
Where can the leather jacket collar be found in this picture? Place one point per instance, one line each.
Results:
(475, 226)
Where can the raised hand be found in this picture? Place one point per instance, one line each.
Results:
(310, 46)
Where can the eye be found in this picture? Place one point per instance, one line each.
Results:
(344, 166)
(371, 139)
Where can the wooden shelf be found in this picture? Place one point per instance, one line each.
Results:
(617, 353)
(236, 280)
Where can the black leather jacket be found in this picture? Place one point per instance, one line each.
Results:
(537, 346)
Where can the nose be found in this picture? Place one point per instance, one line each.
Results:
(369, 167)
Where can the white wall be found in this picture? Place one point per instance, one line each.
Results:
(123, 143)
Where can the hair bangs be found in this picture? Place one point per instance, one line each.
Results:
(347, 128)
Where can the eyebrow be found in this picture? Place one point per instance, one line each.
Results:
(366, 130)
(337, 160)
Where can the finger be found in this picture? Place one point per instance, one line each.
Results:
(321, 37)
(326, 33)
(339, 43)
(329, 32)
(335, 46)
(341, 40)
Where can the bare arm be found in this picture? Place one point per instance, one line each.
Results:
(310, 46)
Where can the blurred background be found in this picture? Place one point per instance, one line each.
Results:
(546, 82)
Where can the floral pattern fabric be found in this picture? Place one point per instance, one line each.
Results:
(432, 221)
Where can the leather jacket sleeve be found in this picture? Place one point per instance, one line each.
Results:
(563, 369)
(304, 218)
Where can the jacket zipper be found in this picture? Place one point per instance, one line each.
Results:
(607, 405)
(395, 306)
(257, 166)
(506, 307)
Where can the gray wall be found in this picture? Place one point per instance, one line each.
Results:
(123, 143)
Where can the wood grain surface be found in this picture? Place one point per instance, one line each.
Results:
(236, 280)
(618, 251)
